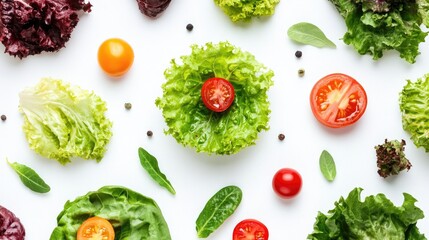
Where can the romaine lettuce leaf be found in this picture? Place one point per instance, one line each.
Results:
(187, 118)
(376, 26)
(414, 105)
(132, 215)
(374, 218)
(63, 121)
(239, 10)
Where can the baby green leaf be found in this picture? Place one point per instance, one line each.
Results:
(30, 178)
(327, 166)
(310, 34)
(219, 207)
(150, 163)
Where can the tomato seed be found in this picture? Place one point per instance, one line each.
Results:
(3, 117)
(189, 27)
(281, 137)
(298, 54)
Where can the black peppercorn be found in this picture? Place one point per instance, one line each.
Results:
(298, 54)
(281, 137)
(3, 117)
(149, 133)
(189, 27)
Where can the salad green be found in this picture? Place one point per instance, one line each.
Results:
(239, 10)
(62, 121)
(414, 105)
(374, 218)
(391, 159)
(375, 26)
(188, 119)
(132, 215)
(310, 34)
(30, 178)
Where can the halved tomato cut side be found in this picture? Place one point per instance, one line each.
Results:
(338, 100)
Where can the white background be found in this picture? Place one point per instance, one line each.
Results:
(197, 176)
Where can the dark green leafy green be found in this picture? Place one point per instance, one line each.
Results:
(327, 166)
(150, 163)
(414, 105)
(30, 178)
(375, 26)
(374, 218)
(188, 119)
(219, 207)
(309, 34)
(132, 215)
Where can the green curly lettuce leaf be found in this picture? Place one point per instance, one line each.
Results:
(63, 121)
(414, 107)
(132, 215)
(375, 26)
(374, 218)
(186, 116)
(245, 10)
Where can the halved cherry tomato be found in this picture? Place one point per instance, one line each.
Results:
(115, 57)
(338, 100)
(250, 229)
(95, 228)
(217, 94)
(287, 182)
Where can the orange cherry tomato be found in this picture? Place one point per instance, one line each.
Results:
(338, 100)
(95, 228)
(217, 94)
(115, 57)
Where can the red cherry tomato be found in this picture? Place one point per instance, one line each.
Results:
(217, 94)
(250, 229)
(287, 182)
(338, 100)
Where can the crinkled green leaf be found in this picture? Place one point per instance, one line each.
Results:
(239, 10)
(375, 29)
(414, 107)
(188, 119)
(63, 121)
(374, 218)
(132, 215)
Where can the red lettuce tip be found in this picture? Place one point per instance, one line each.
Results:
(29, 27)
(152, 8)
(10, 226)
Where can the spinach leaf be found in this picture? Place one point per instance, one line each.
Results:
(327, 166)
(30, 178)
(310, 34)
(219, 207)
(150, 163)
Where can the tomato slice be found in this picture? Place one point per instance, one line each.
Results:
(217, 94)
(250, 229)
(338, 100)
(96, 228)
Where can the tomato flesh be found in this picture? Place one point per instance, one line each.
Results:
(287, 182)
(115, 57)
(338, 100)
(217, 94)
(96, 228)
(250, 229)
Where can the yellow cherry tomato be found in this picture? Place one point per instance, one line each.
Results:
(115, 57)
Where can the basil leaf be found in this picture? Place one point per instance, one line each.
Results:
(150, 164)
(30, 178)
(219, 207)
(327, 166)
(310, 34)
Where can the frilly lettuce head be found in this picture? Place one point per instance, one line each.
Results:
(188, 119)
(374, 26)
(414, 105)
(239, 10)
(374, 218)
(63, 121)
